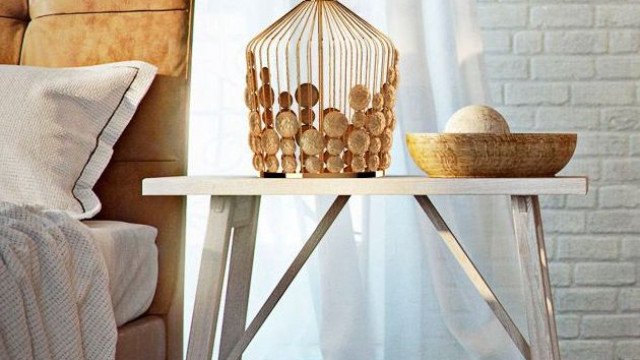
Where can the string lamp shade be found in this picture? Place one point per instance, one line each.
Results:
(321, 90)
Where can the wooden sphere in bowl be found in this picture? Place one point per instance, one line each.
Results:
(480, 145)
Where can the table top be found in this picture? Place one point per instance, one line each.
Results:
(390, 185)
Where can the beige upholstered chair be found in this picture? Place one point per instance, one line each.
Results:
(62, 33)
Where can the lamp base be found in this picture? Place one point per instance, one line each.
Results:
(362, 175)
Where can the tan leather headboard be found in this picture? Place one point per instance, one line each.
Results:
(61, 33)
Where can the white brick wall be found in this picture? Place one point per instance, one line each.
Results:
(574, 65)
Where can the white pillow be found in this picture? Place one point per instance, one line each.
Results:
(58, 128)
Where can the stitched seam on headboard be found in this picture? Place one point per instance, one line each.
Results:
(109, 12)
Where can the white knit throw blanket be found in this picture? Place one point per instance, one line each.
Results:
(54, 289)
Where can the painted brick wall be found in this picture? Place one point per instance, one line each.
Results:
(574, 65)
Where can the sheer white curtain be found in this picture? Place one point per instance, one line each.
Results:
(381, 285)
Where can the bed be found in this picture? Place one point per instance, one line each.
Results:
(65, 33)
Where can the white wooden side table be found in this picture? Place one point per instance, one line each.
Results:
(232, 226)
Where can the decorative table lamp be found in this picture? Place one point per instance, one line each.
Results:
(321, 87)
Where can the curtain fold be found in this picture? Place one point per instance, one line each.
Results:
(381, 285)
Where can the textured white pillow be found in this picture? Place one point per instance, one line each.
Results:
(58, 128)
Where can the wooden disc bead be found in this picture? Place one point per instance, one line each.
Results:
(386, 140)
(312, 142)
(271, 163)
(288, 146)
(289, 164)
(335, 146)
(376, 145)
(251, 59)
(265, 75)
(258, 162)
(255, 123)
(287, 124)
(267, 117)
(391, 76)
(390, 119)
(377, 102)
(359, 97)
(389, 93)
(376, 123)
(266, 96)
(359, 119)
(307, 116)
(328, 111)
(358, 163)
(303, 129)
(255, 144)
(307, 95)
(252, 81)
(313, 165)
(285, 100)
(373, 162)
(358, 142)
(250, 99)
(335, 164)
(385, 161)
(269, 141)
(335, 124)
(347, 157)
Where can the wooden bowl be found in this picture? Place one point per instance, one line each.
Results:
(491, 155)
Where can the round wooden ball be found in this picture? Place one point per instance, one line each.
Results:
(255, 123)
(386, 140)
(335, 124)
(358, 142)
(255, 144)
(376, 123)
(287, 124)
(335, 146)
(312, 142)
(377, 103)
(385, 161)
(373, 162)
(269, 141)
(267, 117)
(359, 97)
(271, 163)
(266, 96)
(289, 164)
(307, 95)
(335, 164)
(313, 165)
(288, 146)
(258, 162)
(359, 119)
(285, 100)
(345, 137)
(250, 99)
(358, 163)
(307, 116)
(265, 75)
(376, 145)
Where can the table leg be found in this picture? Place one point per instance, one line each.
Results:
(535, 273)
(474, 274)
(210, 279)
(234, 319)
